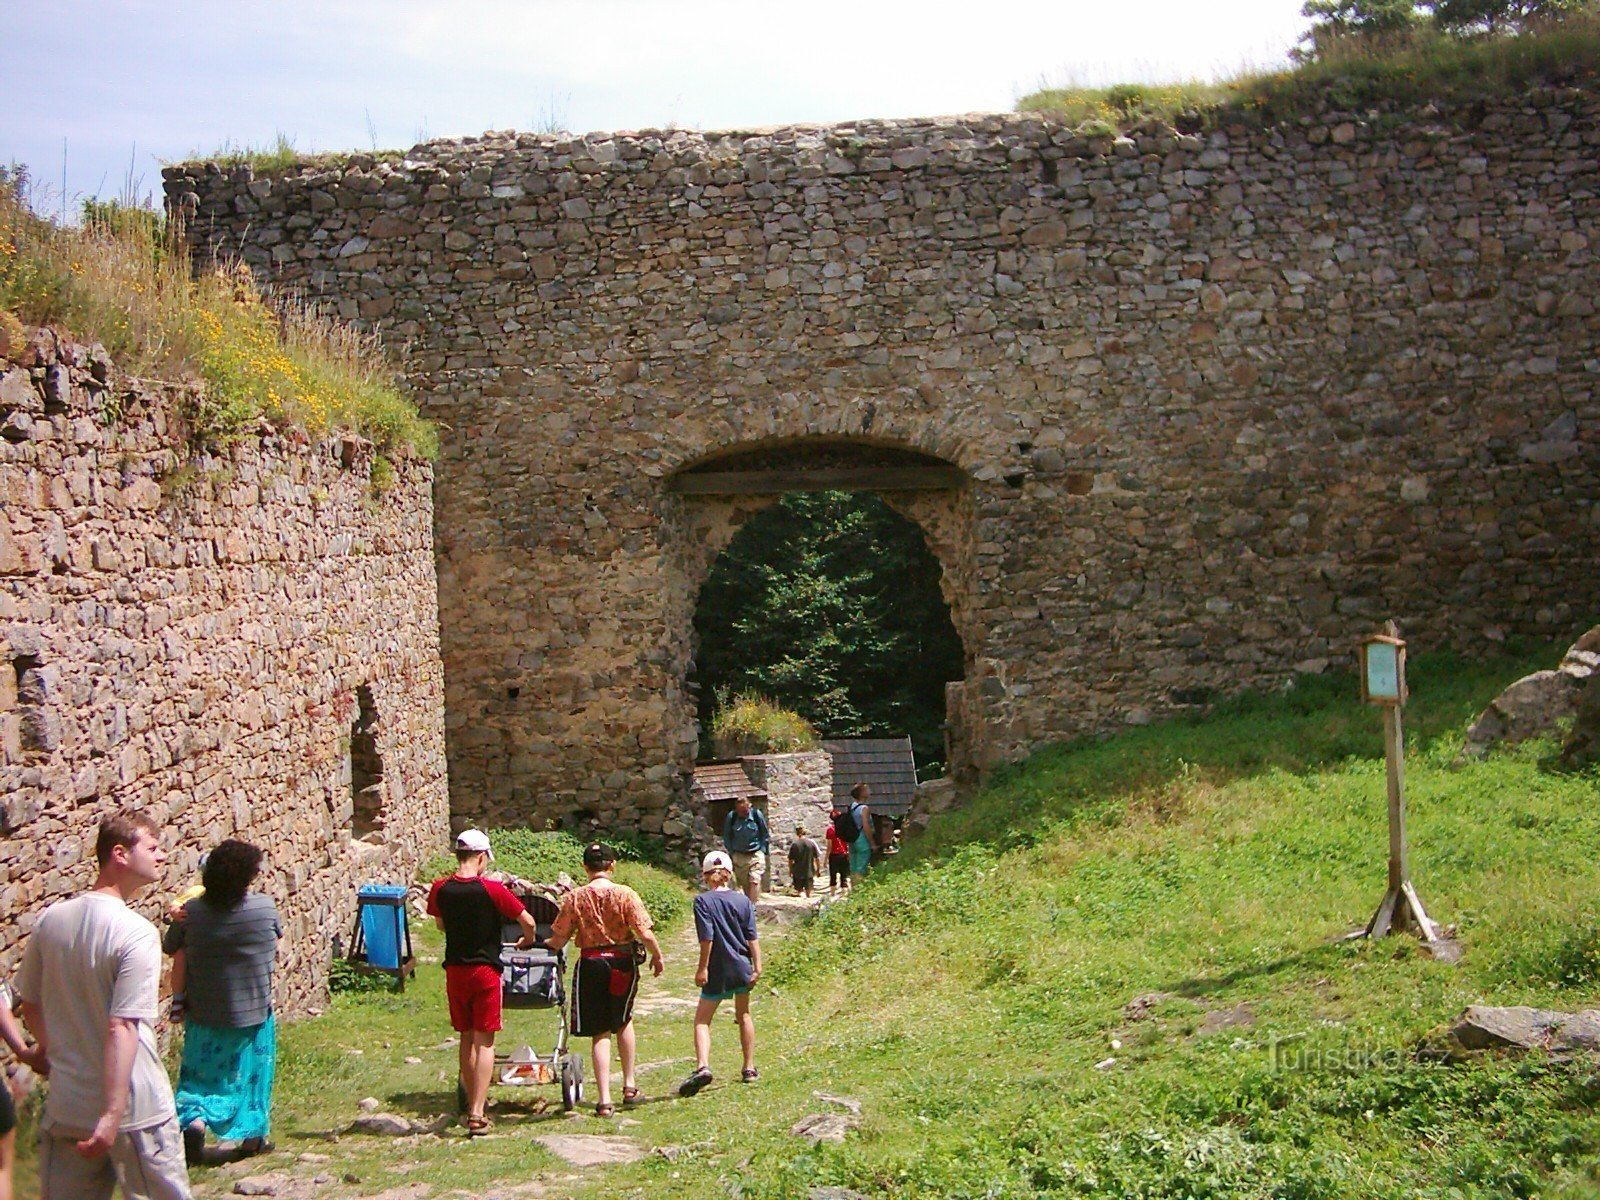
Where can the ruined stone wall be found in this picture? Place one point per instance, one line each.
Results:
(190, 636)
(1224, 400)
(799, 791)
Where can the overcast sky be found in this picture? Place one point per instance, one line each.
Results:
(105, 89)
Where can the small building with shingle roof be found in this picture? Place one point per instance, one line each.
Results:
(886, 765)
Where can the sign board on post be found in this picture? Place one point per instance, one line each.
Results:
(1383, 682)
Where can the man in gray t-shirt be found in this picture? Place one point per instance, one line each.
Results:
(89, 985)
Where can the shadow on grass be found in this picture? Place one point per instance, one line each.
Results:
(1318, 723)
(1198, 986)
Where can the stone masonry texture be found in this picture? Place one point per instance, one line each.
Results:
(1223, 401)
(192, 637)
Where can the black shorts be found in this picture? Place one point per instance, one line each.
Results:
(8, 1110)
(838, 869)
(602, 994)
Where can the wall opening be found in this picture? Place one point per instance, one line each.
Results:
(367, 816)
(829, 604)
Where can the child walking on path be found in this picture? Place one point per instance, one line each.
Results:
(803, 856)
(730, 964)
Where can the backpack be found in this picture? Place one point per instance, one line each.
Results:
(846, 825)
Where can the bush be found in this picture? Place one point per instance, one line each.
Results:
(752, 724)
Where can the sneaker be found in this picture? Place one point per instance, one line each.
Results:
(696, 1081)
(749, 1075)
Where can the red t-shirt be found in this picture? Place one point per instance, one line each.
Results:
(836, 846)
(473, 910)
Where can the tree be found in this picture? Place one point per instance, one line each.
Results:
(829, 604)
(1500, 16)
(1338, 21)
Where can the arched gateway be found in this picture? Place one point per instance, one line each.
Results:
(1194, 411)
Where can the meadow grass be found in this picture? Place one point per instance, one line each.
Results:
(972, 994)
(123, 279)
(1414, 68)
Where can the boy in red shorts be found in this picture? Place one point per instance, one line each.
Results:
(471, 910)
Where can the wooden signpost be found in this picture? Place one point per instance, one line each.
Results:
(1383, 682)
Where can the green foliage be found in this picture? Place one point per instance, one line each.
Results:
(751, 724)
(829, 605)
(280, 155)
(346, 979)
(1361, 53)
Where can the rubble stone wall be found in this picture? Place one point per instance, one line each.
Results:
(1223, 401)
(197, 637)
(799, 791)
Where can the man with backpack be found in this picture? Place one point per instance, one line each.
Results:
(745, 836)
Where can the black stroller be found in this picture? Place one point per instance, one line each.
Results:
(535, 979)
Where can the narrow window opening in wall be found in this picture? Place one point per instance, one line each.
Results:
(30, 727)
(367, 818)
(513, 692)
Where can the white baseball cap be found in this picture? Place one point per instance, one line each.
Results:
(714, 860)
(474, 840)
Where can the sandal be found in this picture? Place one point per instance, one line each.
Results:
(631, 1095)
(605, 1110)
(477, 1126)
(749, 1075)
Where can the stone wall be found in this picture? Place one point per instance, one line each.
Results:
(1223, 401)
(799, 791)
(199, 638)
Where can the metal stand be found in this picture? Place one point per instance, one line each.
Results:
(407, 965)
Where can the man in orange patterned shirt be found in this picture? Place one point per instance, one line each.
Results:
(609, 924)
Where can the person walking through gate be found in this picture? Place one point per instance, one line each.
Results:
(745, 837)
(89, 985)
(730, 964)
(854, 826)
(838, 857)
(611, 927)
(472, 911)
(803, 856)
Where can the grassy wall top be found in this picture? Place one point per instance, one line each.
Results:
(123, 279)
(1422, 66)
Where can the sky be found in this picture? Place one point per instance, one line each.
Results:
(98, 93)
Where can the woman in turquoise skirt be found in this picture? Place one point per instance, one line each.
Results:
(223, 944)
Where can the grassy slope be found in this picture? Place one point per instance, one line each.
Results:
(1353, 74)
(966, 995)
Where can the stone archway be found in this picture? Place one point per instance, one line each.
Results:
(709, 500)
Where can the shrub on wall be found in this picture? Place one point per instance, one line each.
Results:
(751, 724)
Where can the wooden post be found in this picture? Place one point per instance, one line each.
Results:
(1401, 908)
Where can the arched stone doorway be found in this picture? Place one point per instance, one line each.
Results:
(711, 498)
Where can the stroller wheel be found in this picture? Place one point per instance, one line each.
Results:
(571, 1082)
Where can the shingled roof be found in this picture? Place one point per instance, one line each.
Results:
(725, 781)
(885, 765)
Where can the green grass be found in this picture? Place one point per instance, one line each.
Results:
(1414, 68)
(966, 994)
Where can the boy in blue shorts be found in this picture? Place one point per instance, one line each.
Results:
(730, 963)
